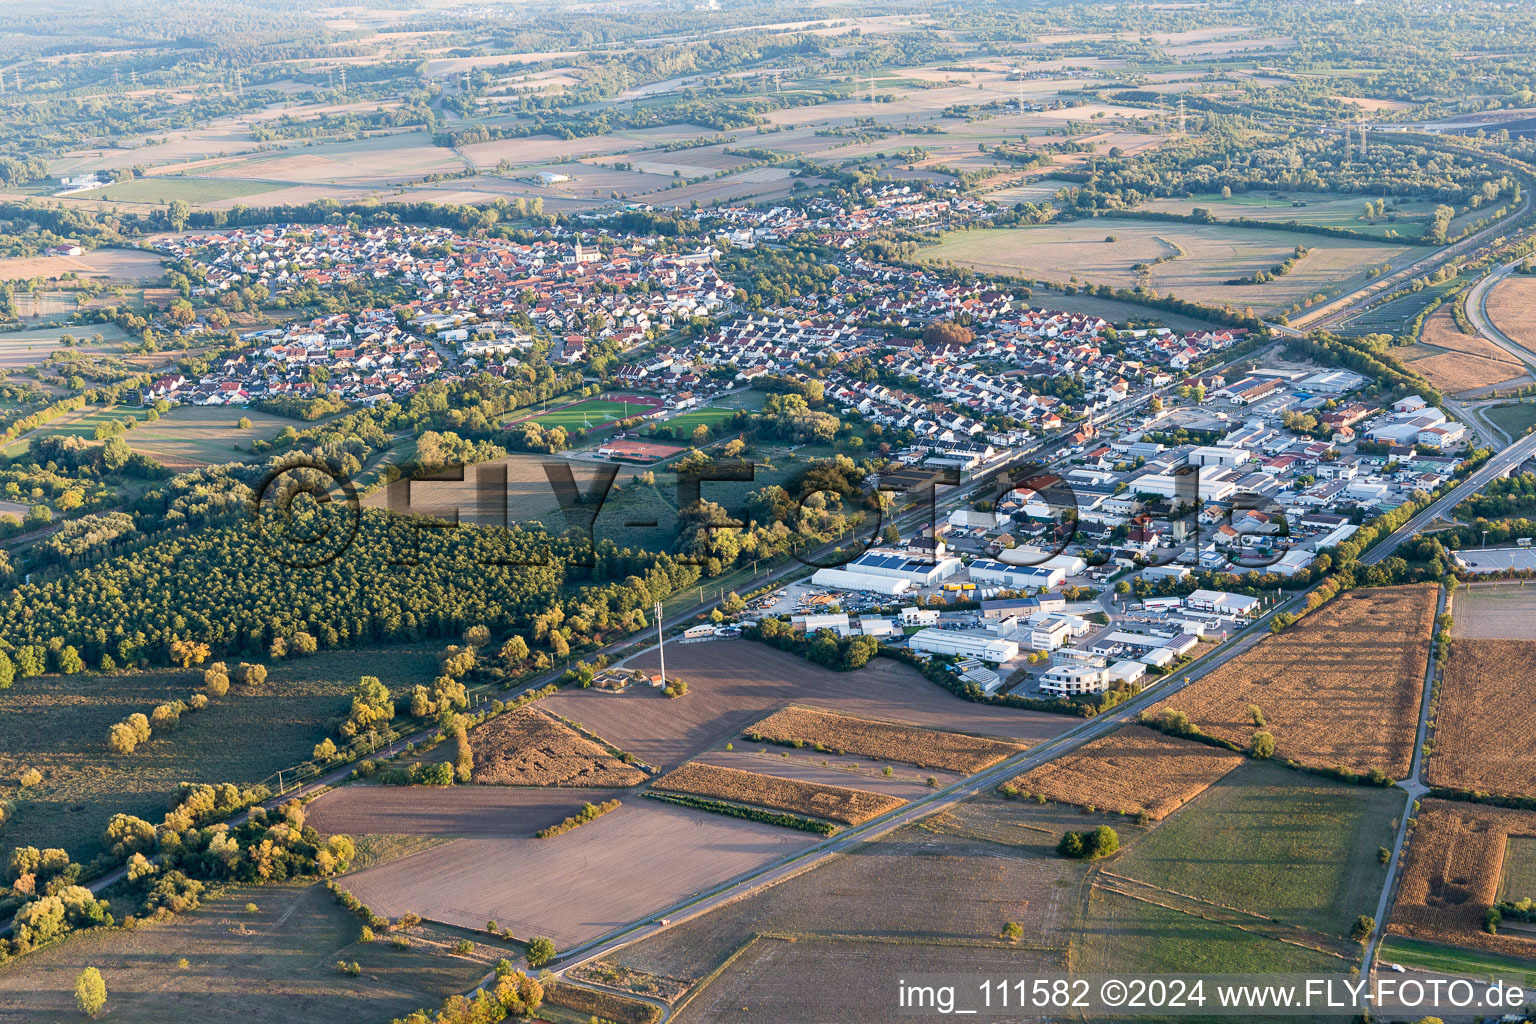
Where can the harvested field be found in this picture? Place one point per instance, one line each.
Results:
(733, 684)
(1456, 362)
(458, 811)
(529, 748)
(767, 984)
(1204, 257)
(1484, 737)
(887, 741)
(635, 861)
(1133, 770)
(1509, 307)
(830, 803)
(949, 883)
(1495, 611)
(1451, 878)
(1341, 687)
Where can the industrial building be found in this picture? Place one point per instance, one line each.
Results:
(981, 646)
(1019, 577)
(842, 579)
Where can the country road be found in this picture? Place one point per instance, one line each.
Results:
(1066, 742)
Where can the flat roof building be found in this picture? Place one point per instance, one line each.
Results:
(981, 646)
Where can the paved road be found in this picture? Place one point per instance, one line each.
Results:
(1495, 467)
(1415, 788)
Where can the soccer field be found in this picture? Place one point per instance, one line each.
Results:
(594, 412)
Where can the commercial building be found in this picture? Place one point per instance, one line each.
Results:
(1021, 577)
(981, 646)
(1073, 678)
(1235, 605)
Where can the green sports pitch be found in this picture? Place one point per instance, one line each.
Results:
(594, 412)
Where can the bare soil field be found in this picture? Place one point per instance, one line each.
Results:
(1495, 611)
(948, 883)
(734, 683)
(888, 741)
(1133, 770)
(372, 160)
(830, 803)
(529, 748)
(845, 980)
(115, 264)
(1451, 878)
(1483, 735)
(457, 811)
(1341, 687)
(1509, 307)
(624, 865)
(272, 967)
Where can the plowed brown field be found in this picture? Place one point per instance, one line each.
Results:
(1484, 736)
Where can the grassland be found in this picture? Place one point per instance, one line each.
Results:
(1319, 209)
(1203, 257)
(829, 803)
(1341, 687)
(59, 724)
(1514, 418)
(276, 965)
(1517, 876)
(1277, 843)
(196, 191)
(529, 748)
(1124, 934)
(1131, 771)
(1484, 739)
(1431, 956)
(1452, 876)
(888, 741)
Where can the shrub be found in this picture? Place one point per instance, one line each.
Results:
(29, 777)
(464, 947)
(1013, 931)
(1100, 842)
(251, 908)
(588, 812)
(400, 942)
(366, 935)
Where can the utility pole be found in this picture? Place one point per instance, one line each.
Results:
(1181, 114)
(661, 648)
(343, 81)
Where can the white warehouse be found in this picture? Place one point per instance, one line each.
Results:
(916, 570)
(981, 646)
(842, 579)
